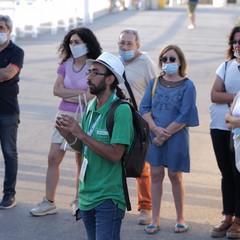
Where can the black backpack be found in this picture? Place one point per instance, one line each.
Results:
(133, 161)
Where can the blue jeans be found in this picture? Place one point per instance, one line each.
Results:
(8, 140)
(103, 222)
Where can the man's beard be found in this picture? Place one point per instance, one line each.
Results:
(98, 89)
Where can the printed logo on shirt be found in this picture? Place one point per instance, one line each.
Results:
(103, 136)
(102, 132)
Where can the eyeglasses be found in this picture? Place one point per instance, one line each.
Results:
(94, 73)
(165, 59)
(236, 42)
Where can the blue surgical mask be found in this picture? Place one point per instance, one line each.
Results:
(237, 55)
(79, 50)
(170, 68)
(127, 55)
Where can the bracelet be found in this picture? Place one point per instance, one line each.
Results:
(70, 144)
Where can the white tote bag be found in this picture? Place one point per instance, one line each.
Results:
(65, 146)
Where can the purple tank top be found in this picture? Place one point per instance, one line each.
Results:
(72, 80)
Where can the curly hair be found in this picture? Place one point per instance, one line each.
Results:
(87, 36)
(230, 51)
(182, 59)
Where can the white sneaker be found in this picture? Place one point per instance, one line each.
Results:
(74, 206)
(44, 208)
(144, 217)
(191, 26)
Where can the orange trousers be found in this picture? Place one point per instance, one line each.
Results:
(144, 189)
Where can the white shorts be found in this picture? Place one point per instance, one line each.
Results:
(56, 136)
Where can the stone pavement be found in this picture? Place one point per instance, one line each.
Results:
(205, 49)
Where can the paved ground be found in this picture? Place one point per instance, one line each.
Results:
(205, 49)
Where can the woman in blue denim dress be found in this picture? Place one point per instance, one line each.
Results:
(169, 106)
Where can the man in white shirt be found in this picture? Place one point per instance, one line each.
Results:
(139, 70)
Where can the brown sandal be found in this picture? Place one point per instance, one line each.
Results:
(234, 231)
(221, 230)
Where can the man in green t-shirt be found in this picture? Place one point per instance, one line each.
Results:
(101, 196)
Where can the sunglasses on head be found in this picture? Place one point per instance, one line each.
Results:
(165, 59)
(236, 42)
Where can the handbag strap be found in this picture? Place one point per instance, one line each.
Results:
(224, 76)
(80, 105)
(154, 86)
(224, 85)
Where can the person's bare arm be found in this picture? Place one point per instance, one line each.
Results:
(69, 128)
(70, 95)
(217, 93)
(232, 121)
(162, 134)
(8, 72)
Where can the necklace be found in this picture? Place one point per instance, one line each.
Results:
(77, 70)
(171, 84)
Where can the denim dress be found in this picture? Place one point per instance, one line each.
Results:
(176, 103)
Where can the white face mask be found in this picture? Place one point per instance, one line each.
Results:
(78, 50)
(237, 55)
(3, 38)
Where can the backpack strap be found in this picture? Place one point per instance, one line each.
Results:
(110, 116)
(130, 92)
(109, 123)
(125, 188)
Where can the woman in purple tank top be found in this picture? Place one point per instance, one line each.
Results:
(77, 46)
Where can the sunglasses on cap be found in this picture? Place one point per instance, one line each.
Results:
(165, 59)
(236, 42)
